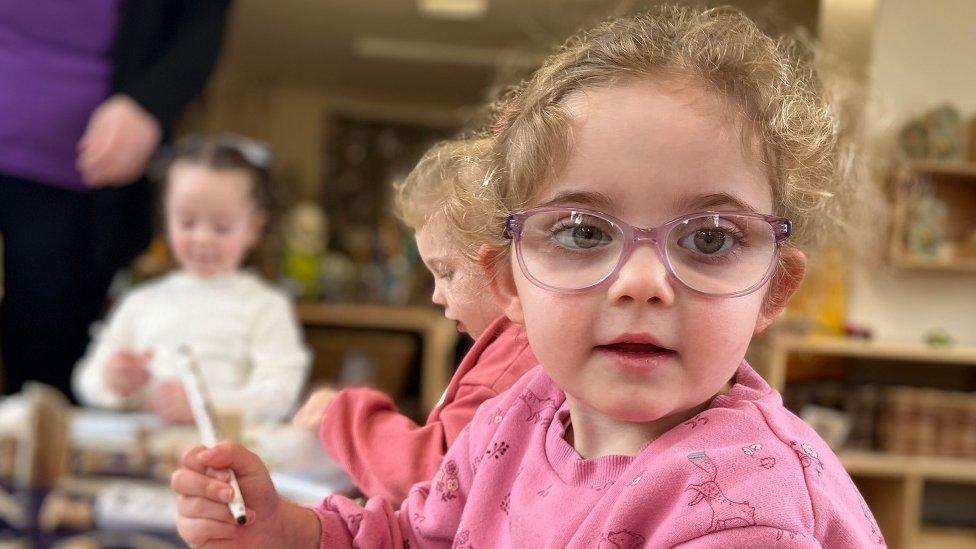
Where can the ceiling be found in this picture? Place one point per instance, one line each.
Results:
(386, 47)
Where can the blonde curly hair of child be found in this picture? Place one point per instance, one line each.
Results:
(771, 87)
(423, 194)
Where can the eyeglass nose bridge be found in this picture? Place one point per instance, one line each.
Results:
(653, 237)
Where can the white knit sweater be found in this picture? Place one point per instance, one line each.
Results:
(243, 333)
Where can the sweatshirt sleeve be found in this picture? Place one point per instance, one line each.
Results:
(361, 425)
(429, 517)
(279, 365)
(755, 536)
(182, 65)
(88, 377)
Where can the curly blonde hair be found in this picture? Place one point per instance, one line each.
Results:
(424, 193)
(771, 83)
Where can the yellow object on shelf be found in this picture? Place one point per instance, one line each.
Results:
(821, 302)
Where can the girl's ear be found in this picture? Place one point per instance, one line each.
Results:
(786, 280)
(497, 269)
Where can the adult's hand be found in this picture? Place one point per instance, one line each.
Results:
(120, 139)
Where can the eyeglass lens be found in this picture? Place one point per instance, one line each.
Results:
(712, 253)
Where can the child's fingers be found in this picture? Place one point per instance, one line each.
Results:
(134, 375)
(219, 474)
(191, 460)
(192, 483)
(194, 507)
(232, 456)
(200, 531)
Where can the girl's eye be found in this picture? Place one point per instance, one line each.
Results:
(582, 237)
(186, 223)
(445, 275)
(709, 240)
(222, 229)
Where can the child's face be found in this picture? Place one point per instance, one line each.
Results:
(211, 219)
(456, 286)
(646, 155)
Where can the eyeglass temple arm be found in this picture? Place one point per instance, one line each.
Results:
(783, 228)
(511, 224)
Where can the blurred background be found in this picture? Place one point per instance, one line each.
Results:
(879, 349)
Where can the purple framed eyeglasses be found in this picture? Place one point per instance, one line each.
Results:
(723, 254)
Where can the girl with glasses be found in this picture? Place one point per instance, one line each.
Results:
(653, 182)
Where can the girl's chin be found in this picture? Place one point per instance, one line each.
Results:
(204, 271)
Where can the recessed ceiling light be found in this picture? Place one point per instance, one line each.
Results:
(455, 10)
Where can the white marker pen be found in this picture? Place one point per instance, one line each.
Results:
(196, 394)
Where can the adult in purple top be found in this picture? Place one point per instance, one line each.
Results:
(88, 91)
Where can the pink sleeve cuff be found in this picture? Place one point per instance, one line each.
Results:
(334, 532)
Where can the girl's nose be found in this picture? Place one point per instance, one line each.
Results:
(643, 278)
(438, 296)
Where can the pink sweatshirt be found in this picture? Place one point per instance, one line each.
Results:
(744, 473)
(385, 452)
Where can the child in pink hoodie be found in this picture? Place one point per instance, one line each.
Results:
(383, 451)
(654, 181)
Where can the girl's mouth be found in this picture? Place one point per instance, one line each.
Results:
(630, 355)
(634, 348)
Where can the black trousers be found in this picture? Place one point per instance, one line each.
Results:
(60, 251)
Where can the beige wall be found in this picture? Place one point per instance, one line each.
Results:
(923, 54)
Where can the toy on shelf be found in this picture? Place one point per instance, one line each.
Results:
(927, 225)
(936, 135)
(306, 235)
(943, 127)
(820, 305)
(938, 338)
(845, 416)
(60, 511)
(928, 422)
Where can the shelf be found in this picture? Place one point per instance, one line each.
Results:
(952, 168)
(439, 335)
(899, 351)
(380, 317)
(946, 538)
(879, 464)
(953, 184)
(955, 265)
(892, 484)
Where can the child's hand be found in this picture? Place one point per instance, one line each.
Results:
(169, 401)
(127, 372)
(204, 519)
(309, 416)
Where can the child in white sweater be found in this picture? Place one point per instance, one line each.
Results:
(242, 332)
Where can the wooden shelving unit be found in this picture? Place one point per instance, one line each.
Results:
(892, 484)
(438, 334)
(880, 464)
(955, 184)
